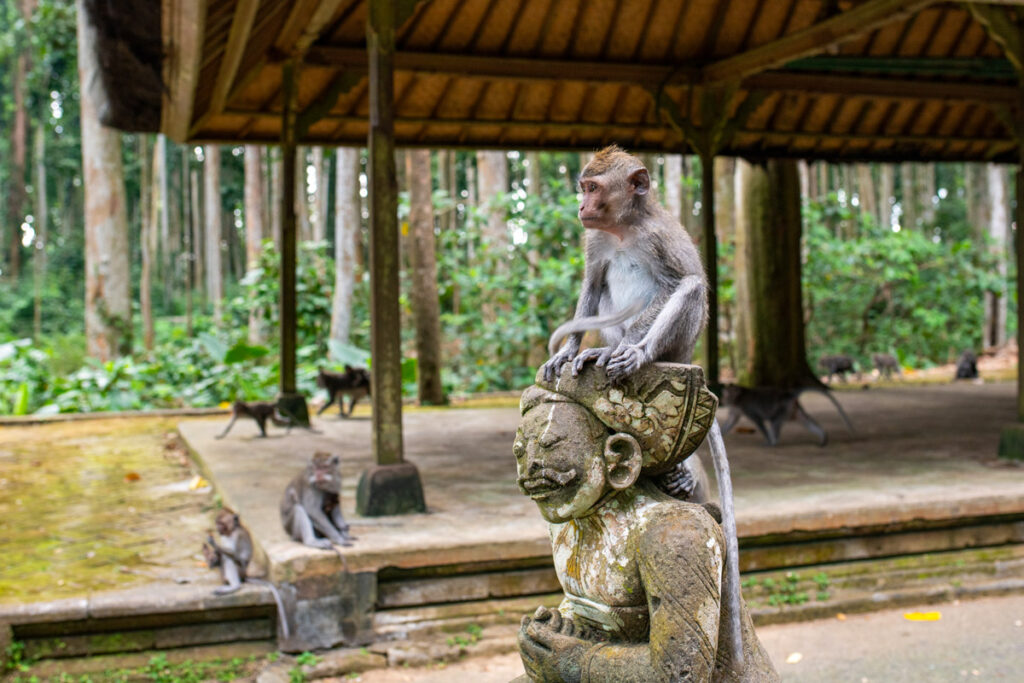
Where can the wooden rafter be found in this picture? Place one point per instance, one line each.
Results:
(1002, 30)
(182, 41)
(549, 70)
(241, 25)
(813, 39)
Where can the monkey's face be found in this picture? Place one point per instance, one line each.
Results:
(225, 523)
(323, 473)
(559, 460)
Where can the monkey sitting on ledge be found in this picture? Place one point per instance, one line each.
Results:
(311, 506)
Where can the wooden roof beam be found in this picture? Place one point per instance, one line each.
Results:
(182, 24)
(835, 30)
(238, 37)
(1003, 30)
(652, 76)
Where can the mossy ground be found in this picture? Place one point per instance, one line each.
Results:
(95, 505)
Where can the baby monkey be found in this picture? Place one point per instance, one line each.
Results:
(643, 283)
(231, 552)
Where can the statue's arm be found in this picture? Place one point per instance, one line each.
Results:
(680, 564)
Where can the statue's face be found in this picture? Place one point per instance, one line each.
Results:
(559, 460)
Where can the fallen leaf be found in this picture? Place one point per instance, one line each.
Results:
(922, 616)
(794, 658)
(197, 483)
(132, 476)
(223, 405)
(840, 616)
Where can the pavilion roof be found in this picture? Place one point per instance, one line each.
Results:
(881, 80)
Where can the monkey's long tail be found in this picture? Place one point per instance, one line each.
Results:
(731, 587)
(835, 402)
(282, 616)
(596, 322)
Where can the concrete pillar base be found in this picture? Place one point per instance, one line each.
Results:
(390, 490)
(294, 406)
(1011, 442)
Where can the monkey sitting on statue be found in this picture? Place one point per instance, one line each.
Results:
(769, 407)
(645, 289)
(232, 554)
(260, 411)
(311, 506)
(354, 383)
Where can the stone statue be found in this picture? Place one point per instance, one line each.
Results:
(641, 570)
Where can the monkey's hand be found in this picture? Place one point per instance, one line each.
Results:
(627, 359)
(600, 355)
(553, 368)
(550, 648)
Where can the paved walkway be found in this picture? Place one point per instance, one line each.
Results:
(917, 453)
(980, 640)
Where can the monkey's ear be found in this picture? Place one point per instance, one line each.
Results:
(335, 460)
(640, 180)
(622, 460)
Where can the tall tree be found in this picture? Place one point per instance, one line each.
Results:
(492, 180)
(320, 196)
(674, 186)
(213, 237)
(348, 220)
(166, 247)
(423, 290)
(910, 202)
(998, 241)
(108, 306)
(771, 347)
(17, 194)
(886, 189)
(148, 212)
(253, 225)
(926, 192)
(866, 197)
(302, 194)
(41, 228)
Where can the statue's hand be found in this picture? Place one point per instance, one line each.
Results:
(553, 367)
(550, 650)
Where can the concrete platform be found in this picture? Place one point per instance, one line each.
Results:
(919, 475)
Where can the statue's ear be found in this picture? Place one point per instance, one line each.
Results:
(622, 460)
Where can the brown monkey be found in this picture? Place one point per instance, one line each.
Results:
(887, 365)
(645, 289)
(311, 506)
(232, 554)
(643, 282)
(261, 411)
(354, 383)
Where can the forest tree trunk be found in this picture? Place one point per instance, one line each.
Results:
(348, 221)
(323, 176)
(41, 228)
(423, 290)
(147, 227)
(866, 193)
(768, 256)
(674, 186)
(998, 241)
(108, 304)
(886, 189)
(303, 228)
(212, 219)
(909, 201)
(254, 227)
(492, 179)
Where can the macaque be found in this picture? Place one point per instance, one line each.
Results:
(967, 365)
(837, 365)
(261, 411)
(643, 283)
(311, 506)
(232, 554)
(354, 383)
(768, 408)
(645, 289)
(887, 365)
